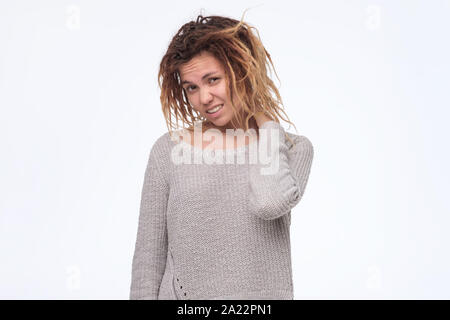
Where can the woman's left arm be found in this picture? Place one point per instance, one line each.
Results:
(277, 187)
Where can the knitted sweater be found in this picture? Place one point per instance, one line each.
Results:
(221, 230)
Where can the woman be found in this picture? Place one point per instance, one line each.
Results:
(219, 230)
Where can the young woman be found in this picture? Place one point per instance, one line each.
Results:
(219, 229)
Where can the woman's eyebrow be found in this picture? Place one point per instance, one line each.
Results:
(205, 76)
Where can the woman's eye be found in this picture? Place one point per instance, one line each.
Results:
(190, 88)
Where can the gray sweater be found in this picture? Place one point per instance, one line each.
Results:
(220, 230)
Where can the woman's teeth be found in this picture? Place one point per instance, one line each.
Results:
(215, 109)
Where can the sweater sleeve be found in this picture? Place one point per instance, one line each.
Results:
(150, 252)
(277, 187)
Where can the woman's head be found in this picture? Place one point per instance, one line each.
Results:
(240, 82)
(204, 83)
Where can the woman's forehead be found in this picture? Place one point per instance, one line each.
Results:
(199, 65)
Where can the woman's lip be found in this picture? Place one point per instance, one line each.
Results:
(217, 113)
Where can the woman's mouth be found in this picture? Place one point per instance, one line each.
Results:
(215, 111)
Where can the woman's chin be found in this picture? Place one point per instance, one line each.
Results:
(219, 122)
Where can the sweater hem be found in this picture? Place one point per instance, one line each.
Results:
(258, 295)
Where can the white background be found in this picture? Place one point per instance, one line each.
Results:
(366, 81)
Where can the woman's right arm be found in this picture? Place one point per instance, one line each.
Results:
(150, 252)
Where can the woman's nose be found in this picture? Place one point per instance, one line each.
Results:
(205, 97)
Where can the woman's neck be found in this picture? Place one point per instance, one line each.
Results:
(205, 125)
(208, 125)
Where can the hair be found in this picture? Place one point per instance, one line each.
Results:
(244, 60)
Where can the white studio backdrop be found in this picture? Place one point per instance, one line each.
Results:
(366, 81)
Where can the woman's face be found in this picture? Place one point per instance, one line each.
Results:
(203, 79)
